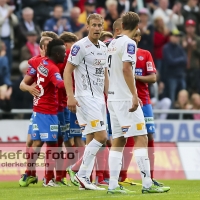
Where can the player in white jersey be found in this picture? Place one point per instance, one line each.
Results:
(126, 115)
(88, 61)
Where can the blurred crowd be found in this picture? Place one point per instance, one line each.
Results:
(170, 31)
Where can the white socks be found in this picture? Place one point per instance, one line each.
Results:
(88, 158)
(115, 165)
(142, 160)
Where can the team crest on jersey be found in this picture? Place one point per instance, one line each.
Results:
(43, 70)
(140, 58)
(149, 66)
(58, 76)
(45, 62)
(131, 48)
(75, 50)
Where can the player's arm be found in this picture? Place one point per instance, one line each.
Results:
(129, 59)
(71, 101)
(28, 85)
(151, 78)
(106, 82)
(129, 78)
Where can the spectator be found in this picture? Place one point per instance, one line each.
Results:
(77, 28)
(126, 6)
(183, 104)
(8, 21)
(158, 98)
(102, 12)
(89, 6)
(42, 9)
(191, 44)
(147, 31)
(112, 15)
(57, 23)
(169, 17)
(160, 38)
(31, 48)
(191, 11)
(21, 99)
(195, 100)
(5, 82)
(174, 63)
(27, 24)
(105, 35)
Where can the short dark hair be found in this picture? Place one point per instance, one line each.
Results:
(53, 45)
(117, 23)
(68, 37)
(50, 34)
(130, 20)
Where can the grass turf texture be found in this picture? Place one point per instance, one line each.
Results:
(180, 190)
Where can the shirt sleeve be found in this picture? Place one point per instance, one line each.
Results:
(150, 66)
(31, 71)
(76, 55)
(129, 52)
(56, 79)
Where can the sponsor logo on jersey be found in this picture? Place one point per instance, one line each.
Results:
(75, 50)
(99, 54)
(43, 135)
(140, 126)
(54, 136)
(88, 46)
(99, 61)
(53, 127)
(149, 66)
(111, 92)
(58, 76)
(32, 71)
(112, 49)
(94, 123)
(131, 48)
(35, 127)
(125, 129)
(43, 70)
(140, 58)
(138, 71)
(99, 71)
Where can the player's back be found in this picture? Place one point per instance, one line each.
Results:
(120, 49)
(47, 102)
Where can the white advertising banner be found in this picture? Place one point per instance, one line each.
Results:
(190, 158)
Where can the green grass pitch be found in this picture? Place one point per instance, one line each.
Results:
(180, 190)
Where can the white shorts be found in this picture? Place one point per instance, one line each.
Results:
(125, 123)
(91, 114)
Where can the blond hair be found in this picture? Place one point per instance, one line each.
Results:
(94, 16)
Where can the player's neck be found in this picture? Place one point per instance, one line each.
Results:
(94, 41)
(127, 33)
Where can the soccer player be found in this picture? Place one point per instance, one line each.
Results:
(145, 73)
(45, 121)
(88, 61)
(126, 115)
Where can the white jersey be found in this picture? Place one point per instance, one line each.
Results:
(90, 62)
(122, 49)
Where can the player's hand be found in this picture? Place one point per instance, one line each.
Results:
(72, 103)
(140, 102)
(33, 90)
(135, 104)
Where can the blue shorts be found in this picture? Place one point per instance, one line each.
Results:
(149, 120)
(45, 127)
(30, 127)
(67, 124)
(109, 129)
(75, 130)
(61, 123)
